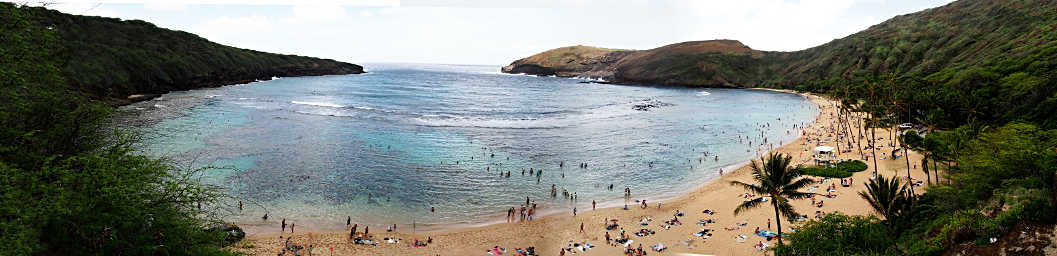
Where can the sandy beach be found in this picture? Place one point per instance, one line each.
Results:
(549, 234)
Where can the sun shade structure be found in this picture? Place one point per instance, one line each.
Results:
(823, 155)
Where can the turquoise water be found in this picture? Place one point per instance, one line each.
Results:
(311, 149)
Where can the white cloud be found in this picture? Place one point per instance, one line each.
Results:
(317, 13)
(91, 9)
(499, 31)
(165, 6)
(243, 32)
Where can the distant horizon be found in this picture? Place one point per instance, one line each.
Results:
(487, 33)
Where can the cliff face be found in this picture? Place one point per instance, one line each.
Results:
(120, 61)
(572, 61)
(935, 43)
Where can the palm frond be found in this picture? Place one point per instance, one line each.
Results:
(798, 184)
(755, 189)
(748, 205)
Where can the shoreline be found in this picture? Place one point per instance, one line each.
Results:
(253, 228)
(549, 233)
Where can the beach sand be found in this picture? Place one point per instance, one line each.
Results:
(548, 234)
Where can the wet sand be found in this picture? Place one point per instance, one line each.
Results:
(548, 234)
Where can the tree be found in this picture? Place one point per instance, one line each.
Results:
(71, 186)
(904, 145)
(912, 140)
(888, 198)
(775, 177)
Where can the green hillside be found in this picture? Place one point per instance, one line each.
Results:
(980, 77)
(984, 60)
(111, 59)
(978, 60)
(69, 183)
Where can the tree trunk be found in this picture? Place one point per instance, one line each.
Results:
(777, 218)
(936, 169)
(907, 156)
(873, 147)
(925, 167)
(858, 139)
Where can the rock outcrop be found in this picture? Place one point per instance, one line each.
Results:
(627, 66)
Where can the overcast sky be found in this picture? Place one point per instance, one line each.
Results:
(496, 32)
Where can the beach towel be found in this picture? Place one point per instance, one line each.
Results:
(765, 233)
(741, 238)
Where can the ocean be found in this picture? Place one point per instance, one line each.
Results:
(387, 146)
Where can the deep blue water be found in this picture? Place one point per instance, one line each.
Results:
(416, 136)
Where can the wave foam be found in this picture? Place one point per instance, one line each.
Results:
(318, 104)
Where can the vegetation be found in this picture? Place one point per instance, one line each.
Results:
(843, 169)
(987, 181)
(825, 172)
(110, 59)
(775, 178)
(839, 234)
(851, 166)
(889, 198)
(69, 185)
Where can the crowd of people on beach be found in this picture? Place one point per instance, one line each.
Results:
(756, 142)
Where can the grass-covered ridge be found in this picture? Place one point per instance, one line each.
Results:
(69, 184)
(110, 59)
(978, 76)
(979, 60)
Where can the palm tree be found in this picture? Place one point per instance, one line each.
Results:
(903, 144)
(775, 177)
(889, 198)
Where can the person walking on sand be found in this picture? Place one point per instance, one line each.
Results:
(574, 211)
(581, 227)
(592, 205)
(291, 228)
(284, 225)
(348, 221)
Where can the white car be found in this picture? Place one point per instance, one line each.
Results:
(906, 126)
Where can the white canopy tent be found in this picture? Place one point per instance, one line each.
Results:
(824, 150)
(823, 155)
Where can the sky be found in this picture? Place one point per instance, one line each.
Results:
(497, 32)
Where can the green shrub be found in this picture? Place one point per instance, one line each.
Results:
(852, 166)
(839, 234)
(825, 172)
